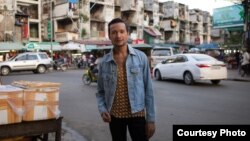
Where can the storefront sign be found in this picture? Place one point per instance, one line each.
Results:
(229, 16)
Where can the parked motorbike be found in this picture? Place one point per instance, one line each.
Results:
(88, 76)
(59, 65)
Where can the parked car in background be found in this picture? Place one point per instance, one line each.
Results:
(158, 54)
(38, 62)
(191, 68)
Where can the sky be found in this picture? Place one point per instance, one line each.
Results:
(205, 5)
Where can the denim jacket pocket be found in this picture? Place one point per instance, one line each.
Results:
(135, 70)
(107, 78)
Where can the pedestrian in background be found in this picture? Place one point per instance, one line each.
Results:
(245, 62)
(125, 94)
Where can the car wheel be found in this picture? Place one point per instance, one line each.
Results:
(5, 70)
(188, 78)
(158, 75)
(41, 69)
(215, 82)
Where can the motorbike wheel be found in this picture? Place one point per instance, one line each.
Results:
(86, 79)
(64, 68)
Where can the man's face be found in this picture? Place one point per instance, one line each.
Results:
(118, 34)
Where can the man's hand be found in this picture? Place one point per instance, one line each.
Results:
(150, 129)
(106, 117)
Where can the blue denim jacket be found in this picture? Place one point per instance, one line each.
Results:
(139, 83)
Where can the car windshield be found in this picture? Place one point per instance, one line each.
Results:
(161, 52)
(43, 56)
(202, 58)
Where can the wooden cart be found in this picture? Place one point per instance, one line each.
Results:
(36, 129)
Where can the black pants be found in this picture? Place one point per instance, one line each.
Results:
(136, 127)
(246, 69)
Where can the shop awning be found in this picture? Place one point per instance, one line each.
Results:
(73, 1)
(55, 46)
(71, 46)
(96, 42)
(11, 46)
(152, 31)
(209, 46)
(142, 46)
(138, 46)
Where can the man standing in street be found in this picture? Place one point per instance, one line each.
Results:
(245, 62)
(125, 94)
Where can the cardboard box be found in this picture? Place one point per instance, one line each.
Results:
(41, 99)
(17, 139)
(41, 104)
(35, 84)
(11, 104)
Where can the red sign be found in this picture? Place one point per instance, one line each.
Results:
(25, 31)
(197, 41)
(138, 41)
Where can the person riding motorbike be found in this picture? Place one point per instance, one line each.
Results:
(92, 74)
(96, 64)
(59, 64)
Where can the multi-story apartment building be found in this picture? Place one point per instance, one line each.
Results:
(151, 21)
(65, 18)
(183, 26)
(132, 12)
(70, 20)
(7, 20)
(86, 19)
(117, 8)
(175, 22)
(101, 12)
(151, 13)
(21, 20)
(200, 26)
(207, 27)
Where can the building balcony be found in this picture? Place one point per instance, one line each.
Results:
(169, 29)
(98, 34)
(129, 5)
(171, 40)
(66, 36)
(33, 39)
(103, 2)
(117, 3)
(205, 31)
(97, 19)
(183, 27)
(63, 11)
(194, 29)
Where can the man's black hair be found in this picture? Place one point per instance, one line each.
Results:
(114, 21)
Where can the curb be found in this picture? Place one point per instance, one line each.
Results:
(68, 134)
(237, 79)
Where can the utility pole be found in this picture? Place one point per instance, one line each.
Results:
(246, 4)
(51, 26)
(5, 15)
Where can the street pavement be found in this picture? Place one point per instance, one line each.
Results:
(69, 134)
(233, 75)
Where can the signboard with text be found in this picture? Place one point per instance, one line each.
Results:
(50, 30)
(230, 16)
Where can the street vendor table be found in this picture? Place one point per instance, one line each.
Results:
(33, 128)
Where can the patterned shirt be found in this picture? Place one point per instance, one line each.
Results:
(121, 106)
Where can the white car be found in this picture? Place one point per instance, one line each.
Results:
(190, 68)
(38, 62)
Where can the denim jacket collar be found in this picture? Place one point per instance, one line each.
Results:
(110, 55)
